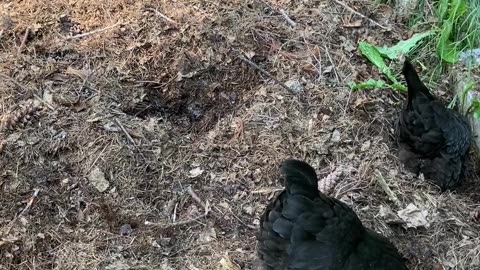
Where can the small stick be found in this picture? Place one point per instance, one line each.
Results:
(30, 201)
(359, 14)
(266, 190)
(195, 197)
(386, 188)
(119, 124)
(288, 19)
(167, 225)
(27, 207)
(98, 156)
(333, 63)
(199, 201)
(96, 31)
(162, 16)
(266, 73)
(24, 40)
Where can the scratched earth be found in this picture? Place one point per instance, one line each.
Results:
(134, 136)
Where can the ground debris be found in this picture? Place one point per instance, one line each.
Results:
(98, 180)
(151, 139)
(414, 217)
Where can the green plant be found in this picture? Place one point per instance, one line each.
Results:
(376, 56)
(450, 13)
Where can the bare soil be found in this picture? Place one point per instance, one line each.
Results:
(175, 125)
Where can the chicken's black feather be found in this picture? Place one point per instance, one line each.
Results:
(433, 139)
(305, 229)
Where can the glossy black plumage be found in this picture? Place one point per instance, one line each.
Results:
(304, 229)
(432, 139)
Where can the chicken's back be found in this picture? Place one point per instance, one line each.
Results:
(304, 229)
(433, 139)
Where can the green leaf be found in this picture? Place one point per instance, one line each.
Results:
(399, 87)
(446, 49)
(372, 54)
(457, 9)
(403, 46)
(476, 114)
(442, 8)
(371, 83)
(452, 103)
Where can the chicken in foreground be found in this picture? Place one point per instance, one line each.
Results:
(433, 139)
(304, 229)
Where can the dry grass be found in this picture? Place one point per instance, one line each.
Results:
(193, 115)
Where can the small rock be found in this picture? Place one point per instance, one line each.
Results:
(365, 146)
(335, 136)
(97, 178)
(126, 230)
(48, 97)
(295, 86)
(112, 127)
(248, 210)
(470, 56)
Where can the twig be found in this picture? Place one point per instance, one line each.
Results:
(333, 63)
(24, 40)
(30, 201)
(199, 201)
(195, 197)
(386, 188)
(241, 221)
(96, 31)
(183, 222)
(162, 16)
(266, 190)
(266, 73)
(119, 124)
(359, 14)
(98, 156)
(27, 207)
(288, 19)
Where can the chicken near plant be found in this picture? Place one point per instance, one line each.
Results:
(433, 139)
(303, 228)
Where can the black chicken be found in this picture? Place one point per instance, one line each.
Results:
(432, 139)
(304, 229)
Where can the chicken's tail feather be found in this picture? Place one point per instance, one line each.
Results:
(300, 178)
(414, 84)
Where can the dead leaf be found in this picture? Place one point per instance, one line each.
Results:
(227, 264)
(208, 235)
(250, 54)
(195, 172)
(414, 217)
(82, 74)
(354, 24)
